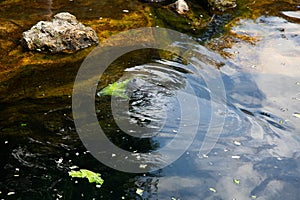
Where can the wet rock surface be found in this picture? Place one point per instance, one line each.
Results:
(222, 5)
(63, 34)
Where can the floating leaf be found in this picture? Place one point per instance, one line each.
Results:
(91, 176)
(23, 124)
(139, 191)
(213, 190)
(116, 89)
(296, 115)
(235, 157)
(236, 181)
(10, 193)
(237, 143)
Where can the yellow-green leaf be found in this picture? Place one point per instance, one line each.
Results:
(91, 176)
(236, 181)
(296, 115)
(116, 89)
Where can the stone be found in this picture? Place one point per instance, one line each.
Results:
(222, 5)
(181, 7)
(292, 14)
(63, 34)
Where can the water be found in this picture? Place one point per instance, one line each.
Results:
(256, 154)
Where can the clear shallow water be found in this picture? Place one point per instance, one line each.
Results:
(258, 146)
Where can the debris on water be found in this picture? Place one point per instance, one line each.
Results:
(236, 157)
(237, 143)
(253, 196)
(143, 166)
(59, 161)
(297, 115)
(225, 149)
(91, 176)
(212, 190)
(139, 191)
(204, 156)
(23, 124)
(116, 89)
(10, 193)
(126, 11)
(236, 181)
(6, 142)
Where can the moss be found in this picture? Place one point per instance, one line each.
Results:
(193, 22)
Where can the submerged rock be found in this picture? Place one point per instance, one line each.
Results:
(63, 34)
(159, 1)
(222, 5)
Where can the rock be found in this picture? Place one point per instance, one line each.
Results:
(181, 7)
(159, 1)
(292, 14)
(154, 1)
(222, 5)
(63, 34)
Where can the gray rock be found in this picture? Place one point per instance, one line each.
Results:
(63, 34)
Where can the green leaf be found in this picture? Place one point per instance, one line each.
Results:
(116, 89)
(91, 176)
(236, 181)
(23, 125)
(296, 115)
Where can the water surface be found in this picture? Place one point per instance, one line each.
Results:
(257, 152)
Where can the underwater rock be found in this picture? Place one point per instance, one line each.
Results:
(159, 1)
(63, 34)
(154, 1)
(222, 5)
